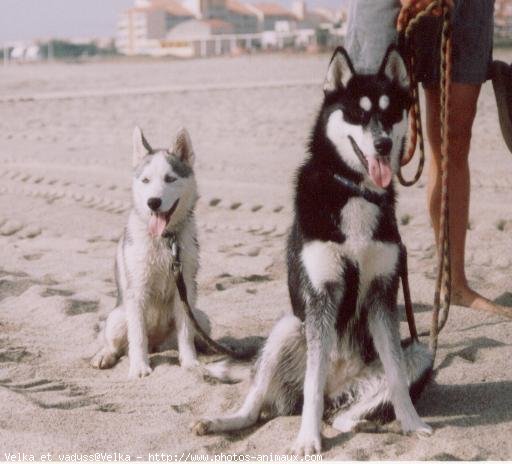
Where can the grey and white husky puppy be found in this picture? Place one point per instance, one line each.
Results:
(341, 347)
(149, 311)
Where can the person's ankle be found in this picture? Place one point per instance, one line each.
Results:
(460, 285)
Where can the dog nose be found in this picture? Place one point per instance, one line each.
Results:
(383, 145)
(154, 203)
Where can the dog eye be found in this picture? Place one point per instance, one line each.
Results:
(145, 180)
(168, 179)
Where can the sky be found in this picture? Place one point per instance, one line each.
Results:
(43, 19)
(31, 19)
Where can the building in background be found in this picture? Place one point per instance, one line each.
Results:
(212, 27)
(269, 14)
(141, 28)
(241, 16)
(503, 19)
(199, 37)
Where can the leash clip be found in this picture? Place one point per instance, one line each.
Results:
(170, 237)
(172, 243)
(176, 267)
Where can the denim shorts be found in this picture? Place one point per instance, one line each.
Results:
(371, 28)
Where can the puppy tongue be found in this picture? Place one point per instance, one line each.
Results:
(380, 170)
(157, 223)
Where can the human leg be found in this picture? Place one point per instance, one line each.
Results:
(463, 101)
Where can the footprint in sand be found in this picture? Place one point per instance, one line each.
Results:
(56, 292)
(253, 252)
(33, 256)
(108, 407)
(77, 307)
(229, 248)
(181, 408)
(359, 454)
(445, 457)
(15, 288)
(261, 229)
(230, 281)
(51, 394)
(14, 354)
(10, 228)
(31, 232)
(430, 275)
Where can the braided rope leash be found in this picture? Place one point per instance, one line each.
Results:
(443, 284)
(416, 132)
(177, 272)
(443, 281)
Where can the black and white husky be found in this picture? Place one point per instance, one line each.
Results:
(341, 350)
(149, 311)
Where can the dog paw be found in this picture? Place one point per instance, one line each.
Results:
(307, 445)
(425, 431)
(103, 359)
(420, 428)
(344, 425)
(190, 363)
(139, 370)
(201, 427)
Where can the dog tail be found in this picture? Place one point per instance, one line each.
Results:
(225, 371)
(368, 397)
(419, 365)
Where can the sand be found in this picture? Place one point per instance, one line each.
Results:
(65, 152)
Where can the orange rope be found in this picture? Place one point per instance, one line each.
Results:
(408, 18)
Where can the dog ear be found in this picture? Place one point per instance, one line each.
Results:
(141, 146)
(183, 147)
(394, 67)
(340, 71)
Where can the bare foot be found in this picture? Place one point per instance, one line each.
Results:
(465, 296)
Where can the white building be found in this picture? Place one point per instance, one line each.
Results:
(141, 28)
(168, 27)
(200, 37)
(269, 14)
(503, 18)
(241, 16)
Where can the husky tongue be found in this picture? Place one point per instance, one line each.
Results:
(157, 223)
(380, 171)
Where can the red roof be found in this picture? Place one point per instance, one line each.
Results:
(172, 7)
(237, 7)
(273, 9)
(175, 8)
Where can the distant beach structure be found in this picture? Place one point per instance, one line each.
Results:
(503, 21)
(216, 27)
(204, 28)
(50, 49)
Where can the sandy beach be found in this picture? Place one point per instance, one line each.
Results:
(65, 178)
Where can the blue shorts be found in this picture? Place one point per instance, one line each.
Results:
(371, 29)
